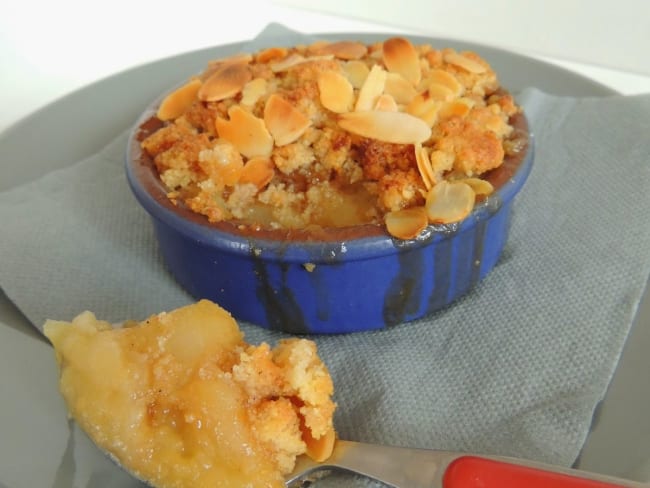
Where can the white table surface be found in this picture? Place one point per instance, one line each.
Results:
(50, 49)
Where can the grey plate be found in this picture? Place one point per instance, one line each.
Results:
(35, 444)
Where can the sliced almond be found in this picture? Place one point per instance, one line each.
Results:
(343, 50)
(246, 132)
(455, 108)
(258, 171)
(336, 92)
(424, 108)
(449, 202)
(376, 51)
(480, 187)
(386, 103)
(371, 89)
(285, 122)
(243, 58)
(394, 127)
(314, 46)
(296, 59)
(319, 57)
(465, 63)
(177, 102)
(253, 91)
(286, 63)
(424, 166)
(356, 72)
(226, 82)
(444, 78)
(271, 54)
(399, 88)
(440, 92)
(407, 223)
(434, 57)
(400, 56)
(216, 64)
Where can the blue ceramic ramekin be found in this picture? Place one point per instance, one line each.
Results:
(337, 285)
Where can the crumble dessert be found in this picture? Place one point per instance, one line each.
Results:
(181, 400)
(335, 134)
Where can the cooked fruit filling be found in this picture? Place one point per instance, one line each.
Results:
(181, 400)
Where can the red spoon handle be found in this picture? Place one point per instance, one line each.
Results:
(478, 472)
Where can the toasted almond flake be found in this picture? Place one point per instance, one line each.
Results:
(271, 54)
(246, 132)
(434, 57)
(296, 59)
(371, 89)
(316, 45)
(440, 92)
(386, 103)
(178, 101)
(465, 63)
(226, 82)
(336, 92)
(394, 127)
(240, 58)
(252, 91)
(320, 57)
(285, 122)
(455, 108)
(376, 51)
(356, 72)
(343, 50)
(217, 64)
(424, 166)
(424, 108)
(449, 202)
(480, 187)
(286, 63)
(258, 171)
(407, 223)
(399, 88)
(400, 56)
(444, 78)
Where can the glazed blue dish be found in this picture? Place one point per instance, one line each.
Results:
(346, 282)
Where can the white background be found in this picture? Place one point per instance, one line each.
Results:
(612, 34)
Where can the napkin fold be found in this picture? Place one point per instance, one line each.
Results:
(514, 368)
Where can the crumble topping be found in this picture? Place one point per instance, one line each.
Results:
(335, 134)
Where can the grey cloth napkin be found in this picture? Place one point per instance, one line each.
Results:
(516, 367)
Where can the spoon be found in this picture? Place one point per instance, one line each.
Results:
(401, 467)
